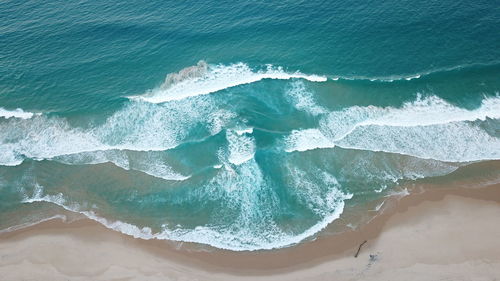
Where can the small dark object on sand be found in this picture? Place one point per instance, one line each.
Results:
(359, 249)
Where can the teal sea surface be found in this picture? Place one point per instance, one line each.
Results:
(241, 125)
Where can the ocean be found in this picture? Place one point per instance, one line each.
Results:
(240, 125)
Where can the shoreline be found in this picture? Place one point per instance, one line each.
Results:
(337, 251)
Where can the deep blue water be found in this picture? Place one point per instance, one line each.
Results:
(243, 125)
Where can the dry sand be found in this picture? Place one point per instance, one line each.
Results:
(441, 234)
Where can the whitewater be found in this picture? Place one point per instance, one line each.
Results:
(238, 157)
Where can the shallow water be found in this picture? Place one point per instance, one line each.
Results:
(243, 126)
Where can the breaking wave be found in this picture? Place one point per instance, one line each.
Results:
(236, 187)
(204, 79)
(253, 228)
(18, 113)
(137, 127)
(428, 128)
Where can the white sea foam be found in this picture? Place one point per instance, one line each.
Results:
(155, 166)
(387, 169)
(17, 113)
(303, 99)
(427, 128)
(241, 132)
(8, 156)
(422, 112)
(39, 197)
(455, 142)
(247, 191)
(138, 126)
(241, 147)
(416, 76)
(307, 139)
(235, 242)
(219, 119)
(40, 138)
(125, 228)
(244, 191)
(151, 162)
(217, 78)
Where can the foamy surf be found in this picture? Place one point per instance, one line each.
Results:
(17, 113)
(245, 234)
(43, 137)
(226, 159)
(231, 152)
(241, 147)
(205, 79)
(428, 128)
(148, 162)
(203, 235)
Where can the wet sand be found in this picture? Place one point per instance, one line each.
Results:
(437, 234)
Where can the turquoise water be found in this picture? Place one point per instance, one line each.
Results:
(243, 126)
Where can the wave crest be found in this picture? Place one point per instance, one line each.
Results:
(427, 128)
(17, 113)
(246, 200)
(202, 79)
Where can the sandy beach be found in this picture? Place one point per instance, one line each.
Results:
(439, 234)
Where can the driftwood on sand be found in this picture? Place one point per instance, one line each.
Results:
(359, 248)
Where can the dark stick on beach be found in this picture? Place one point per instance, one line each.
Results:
(359, 249)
